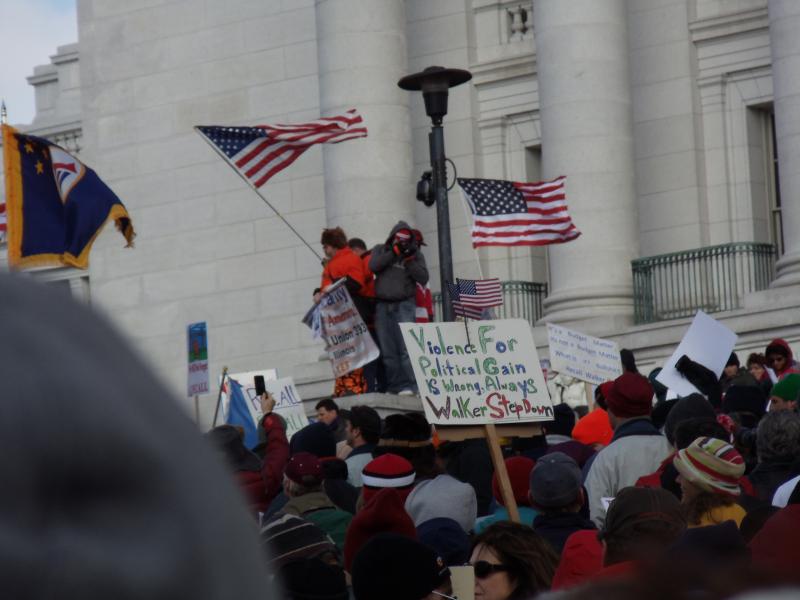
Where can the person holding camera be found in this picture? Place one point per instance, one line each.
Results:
(398, 267)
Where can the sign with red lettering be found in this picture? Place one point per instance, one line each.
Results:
(347, 339)
(491, 376)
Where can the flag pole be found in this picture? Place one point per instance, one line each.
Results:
(219, 395)
(260, 195)
(470, 218)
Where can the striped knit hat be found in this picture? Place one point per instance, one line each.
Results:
(712, 465)
(387, 471)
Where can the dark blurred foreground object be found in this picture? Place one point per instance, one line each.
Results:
(109, 490)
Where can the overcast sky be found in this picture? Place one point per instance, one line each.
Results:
(30, 32)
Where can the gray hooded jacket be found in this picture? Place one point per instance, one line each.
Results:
(396, 276)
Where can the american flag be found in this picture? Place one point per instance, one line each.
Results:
(3, 221)
(510, 213)
(480, 293)
(468, 312)
(260, 152)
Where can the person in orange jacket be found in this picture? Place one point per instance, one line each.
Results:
(344, 263)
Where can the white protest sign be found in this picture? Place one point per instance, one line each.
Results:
(707, 342)
(492, 377)
(287, 401)
(347, 339)
(582, 356)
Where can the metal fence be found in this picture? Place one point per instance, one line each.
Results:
(712, 279)
(521, 300)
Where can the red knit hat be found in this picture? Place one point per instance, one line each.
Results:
(594, 428)
(387, 471)
(519, 471)
(383, 513)
(631, 396)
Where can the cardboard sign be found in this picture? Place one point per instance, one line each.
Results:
(707, 342)
(492, 377)
(287, 401)
(347, 339)
(197, 338)
(582, 356)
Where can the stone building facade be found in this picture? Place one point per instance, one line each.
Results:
(676, 122)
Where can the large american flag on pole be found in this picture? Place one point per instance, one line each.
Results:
(260, 152)
(511, 213)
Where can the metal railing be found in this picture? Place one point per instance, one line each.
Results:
(711, 279)
(521, 300)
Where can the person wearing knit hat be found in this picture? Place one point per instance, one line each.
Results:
(383, 513)
(710, 470)
(690, 407)
(641, 524)
(785, 393)
(594, 429)
(519, 470)
(443, 496)
(302, 484)
(630, 396)
(288, 538)
(555, 490)
(447, 538)
(313, 579)
(409, 435)
(315, 438)
(636, 449)
(394, 567)
(387, 471)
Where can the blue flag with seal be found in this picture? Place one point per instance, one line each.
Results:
(56, 205)
(239, 414)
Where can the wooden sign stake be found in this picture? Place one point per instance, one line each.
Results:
(502, 474)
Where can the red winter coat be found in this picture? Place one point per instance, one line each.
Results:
(276, 455)
(252, 485)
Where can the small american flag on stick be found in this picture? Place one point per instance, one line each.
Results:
(511, 213)
(480, 293)
(461, 310)
(260, 152)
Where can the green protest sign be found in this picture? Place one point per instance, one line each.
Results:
(492, 377)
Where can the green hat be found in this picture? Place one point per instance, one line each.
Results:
(787, 388)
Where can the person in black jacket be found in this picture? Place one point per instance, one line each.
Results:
(556, 492)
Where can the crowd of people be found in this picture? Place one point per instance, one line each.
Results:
(110, 491)
(698, 493)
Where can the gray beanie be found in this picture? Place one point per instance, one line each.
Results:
(444, 496)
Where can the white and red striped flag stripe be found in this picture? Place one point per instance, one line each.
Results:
(259, 152)
(510, 213)
(3, 221)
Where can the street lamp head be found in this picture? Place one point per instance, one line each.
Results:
(434, 83)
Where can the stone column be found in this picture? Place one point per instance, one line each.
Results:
(587, 135)
(784, 25)
(361, 47)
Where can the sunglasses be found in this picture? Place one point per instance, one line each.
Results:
(483, 569)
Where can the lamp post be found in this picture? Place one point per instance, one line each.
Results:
(434, 83)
